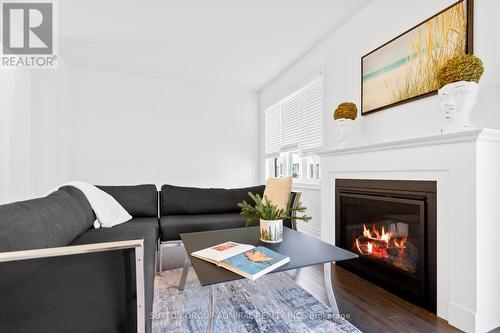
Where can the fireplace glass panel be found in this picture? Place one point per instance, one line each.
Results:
(391, 225)
(385, 231)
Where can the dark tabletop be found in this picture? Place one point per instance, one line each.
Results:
(303, 250)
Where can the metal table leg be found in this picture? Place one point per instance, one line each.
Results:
(211, 308)
(185, 271)
(329, 288)
(160, 249)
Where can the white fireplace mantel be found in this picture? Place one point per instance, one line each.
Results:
(466, 167)
(455, 137)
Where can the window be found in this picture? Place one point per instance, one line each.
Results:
(312, 166)
(294, 132)
(288, 164)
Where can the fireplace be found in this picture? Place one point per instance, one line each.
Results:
(391, 225)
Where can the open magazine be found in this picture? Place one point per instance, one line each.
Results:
(246, 260)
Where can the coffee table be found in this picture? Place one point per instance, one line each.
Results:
(302, 249)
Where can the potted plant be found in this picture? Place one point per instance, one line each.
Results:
(270, 216)
(344, 117)
(458, 80)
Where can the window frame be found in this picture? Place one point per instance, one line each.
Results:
(303, 155)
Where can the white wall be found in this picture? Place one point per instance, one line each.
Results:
(129, 129)
(5, 101)
(33, 132)
(112, 128)
(377, 23)
(50, 130)
(15, 136)
(340, 55)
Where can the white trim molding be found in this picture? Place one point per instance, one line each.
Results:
(484, 134)
(307, 186)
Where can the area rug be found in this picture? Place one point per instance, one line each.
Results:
(273, 303)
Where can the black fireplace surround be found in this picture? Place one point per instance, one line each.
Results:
(391, 225)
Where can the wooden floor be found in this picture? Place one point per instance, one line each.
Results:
(370, 308)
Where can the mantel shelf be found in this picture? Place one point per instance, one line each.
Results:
(482, 134)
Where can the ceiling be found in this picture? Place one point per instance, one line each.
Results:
(238, 43)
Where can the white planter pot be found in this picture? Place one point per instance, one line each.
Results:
(457, 101)
(343, 129)
(271, 231)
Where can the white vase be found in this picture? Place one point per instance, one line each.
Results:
(457, 101)
(343, 128)
(271, 231)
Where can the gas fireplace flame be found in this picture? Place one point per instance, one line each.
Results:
(368, 250)
(387, 246)
(375, 242)
(366, 232)
(375, 234)
(400, 244)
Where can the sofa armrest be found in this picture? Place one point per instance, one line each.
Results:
(136, 245)
(70, 250)
(295, 203)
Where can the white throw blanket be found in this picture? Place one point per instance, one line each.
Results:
(107, 210)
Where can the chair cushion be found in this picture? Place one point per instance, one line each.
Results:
(173, 225)
(278, 191)
(137, 228)
(138, 200)
(177, 200)
(51, 221)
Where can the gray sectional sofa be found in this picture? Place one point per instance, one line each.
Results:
(97, 290)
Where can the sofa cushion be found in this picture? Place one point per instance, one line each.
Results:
(150, 222)
(177, 200)
(173, 225)
(137, 228)
(51, 221)
(82, 200)
(138, 200)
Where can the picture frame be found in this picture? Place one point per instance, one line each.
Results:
(402, 70)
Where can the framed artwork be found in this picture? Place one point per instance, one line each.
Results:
(404, 68)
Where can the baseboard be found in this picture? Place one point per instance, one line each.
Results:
(462, 318)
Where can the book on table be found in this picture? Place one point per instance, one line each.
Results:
(246, 260)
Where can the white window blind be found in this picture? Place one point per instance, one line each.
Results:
(311, 115)
(296, 121)
(290, 121)
(273, 129)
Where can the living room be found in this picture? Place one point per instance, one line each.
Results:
(132, 133)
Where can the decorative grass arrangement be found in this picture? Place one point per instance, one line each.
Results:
(441, 40)
(346, 110)
(466, 67)
(266, 210)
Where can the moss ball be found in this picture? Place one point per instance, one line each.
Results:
(346, 110)
(465, 67)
